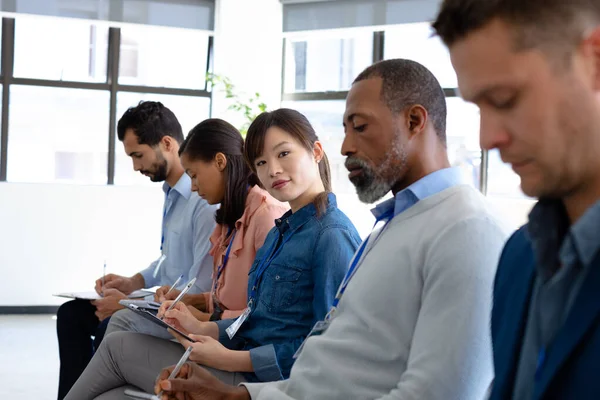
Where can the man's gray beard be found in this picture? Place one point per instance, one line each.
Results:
(386, 176)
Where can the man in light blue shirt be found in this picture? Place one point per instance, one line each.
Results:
(151, 136)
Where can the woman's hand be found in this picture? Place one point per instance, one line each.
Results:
(180, 317)
(208, 351)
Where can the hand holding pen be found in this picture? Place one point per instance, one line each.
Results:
(165, 293)
(183, 292)
(175, 371)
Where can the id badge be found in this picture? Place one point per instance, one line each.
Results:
(233, 328)
(318, 329)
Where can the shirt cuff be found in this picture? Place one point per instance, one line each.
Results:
(254, 388)
(149, 279)
(223, 324)
(264, 363)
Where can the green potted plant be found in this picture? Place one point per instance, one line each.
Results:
(249, 106)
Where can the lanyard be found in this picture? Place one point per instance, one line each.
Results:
(162, 238)
(225, 259)
(263, 266)
(387, 217)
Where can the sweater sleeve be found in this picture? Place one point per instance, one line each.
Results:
(450, 355)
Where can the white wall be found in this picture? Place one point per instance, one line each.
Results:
(55, 237)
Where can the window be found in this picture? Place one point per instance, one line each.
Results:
(462, 135)
(60, 91)
(190, 111)
(58, 135)
(300, 66)
(415, 42)
(329, 63)
(502, 180)
(63, 49)
(128, 58)
(156, 56)
(326, 118)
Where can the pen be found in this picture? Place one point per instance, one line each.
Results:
(174, 285)
(103, 276)
(183, 292)
(178, 367)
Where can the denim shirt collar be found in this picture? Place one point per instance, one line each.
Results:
(295, 220)
(549, 230)
(183, 186)
(427, 186)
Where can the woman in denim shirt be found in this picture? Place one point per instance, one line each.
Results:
(291, 284)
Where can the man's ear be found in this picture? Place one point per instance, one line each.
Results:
(168, 143)
(416, 119)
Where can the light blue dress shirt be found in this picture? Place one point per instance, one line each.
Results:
(429, 185)
(188, 222)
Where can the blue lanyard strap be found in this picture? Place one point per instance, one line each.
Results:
(266, 261)
(225, 259)
(387, 217)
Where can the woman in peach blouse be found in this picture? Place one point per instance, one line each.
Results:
(212, 155)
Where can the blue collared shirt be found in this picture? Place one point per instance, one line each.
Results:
(429, 185)
(296, 290)
(188, 222)
(564, 255)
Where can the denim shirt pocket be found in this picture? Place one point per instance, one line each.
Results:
(279, 287)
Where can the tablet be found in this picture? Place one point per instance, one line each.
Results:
(151, 306)
(92, 295)
(150, 316)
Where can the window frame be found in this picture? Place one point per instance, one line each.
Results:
(111, 84)
(378, 55)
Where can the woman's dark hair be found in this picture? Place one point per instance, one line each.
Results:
(214, 136)
(297, 125)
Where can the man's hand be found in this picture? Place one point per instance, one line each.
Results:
(162, 296)
(195, 383)
(121, 283)
(109, 304)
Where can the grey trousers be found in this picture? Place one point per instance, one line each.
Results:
(131, 360)
(127, 320)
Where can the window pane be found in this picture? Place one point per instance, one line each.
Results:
(415, 42)
(190, 111)
(502, 180)
(168, 57)
(60, 49)
(326, 119)
(58, 135)
(462, 133)
(326, 64)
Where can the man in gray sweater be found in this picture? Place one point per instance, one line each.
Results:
(411, 319)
